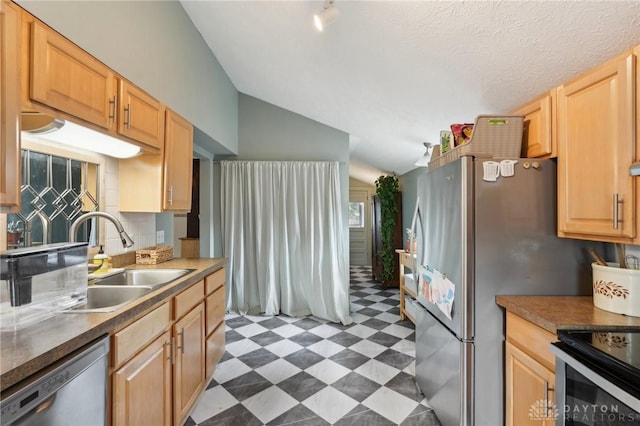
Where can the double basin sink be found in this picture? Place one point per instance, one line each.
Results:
(113, 292)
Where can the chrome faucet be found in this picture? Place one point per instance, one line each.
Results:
(45, 229)
(124, 237)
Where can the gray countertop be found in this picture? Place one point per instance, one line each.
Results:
(27, 351)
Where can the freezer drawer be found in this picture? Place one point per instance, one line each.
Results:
(444, 370)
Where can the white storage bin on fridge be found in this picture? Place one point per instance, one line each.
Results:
(616, 290)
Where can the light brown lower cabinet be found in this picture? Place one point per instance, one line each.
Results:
(188, 371)
(161, 363)
(529, 374)
(142, 387)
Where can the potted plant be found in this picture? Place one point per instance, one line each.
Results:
(387, 189)
(14, 232)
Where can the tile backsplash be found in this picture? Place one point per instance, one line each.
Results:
(140, 226)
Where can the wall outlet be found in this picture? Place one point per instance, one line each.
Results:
(159, 237)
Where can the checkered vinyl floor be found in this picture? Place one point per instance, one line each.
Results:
(306, 371)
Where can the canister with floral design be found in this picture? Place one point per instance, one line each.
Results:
(616, 289)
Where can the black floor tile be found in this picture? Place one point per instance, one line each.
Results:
(258, 358)
(349, 359)
(304, 358)
(236, 415)
(356, 386)
(302, 385)
(394, 359)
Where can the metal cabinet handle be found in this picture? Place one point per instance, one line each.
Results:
(616, 218)
(547, 406)
(170, 195)
(113, 106)
(181, 344)
(127, 119)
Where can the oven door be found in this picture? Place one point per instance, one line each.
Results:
(586, 396)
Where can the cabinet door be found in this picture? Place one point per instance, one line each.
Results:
(67, 78)
(9, 107)
(178, 163)
(142, 387)
(189, 368)
(596, 198)
(538, 127)
(140, 117)
(530, 390)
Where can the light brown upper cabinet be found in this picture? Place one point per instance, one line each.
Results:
(538, 139)
(62, 80)
(67, 78)
(9, 107)
(178, 163)
(596, 145)
(162, 182)
(141, 117)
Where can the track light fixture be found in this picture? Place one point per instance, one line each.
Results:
(424, 160)
(326, 16)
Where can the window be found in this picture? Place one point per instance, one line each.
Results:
(356, 214)
(55, 191)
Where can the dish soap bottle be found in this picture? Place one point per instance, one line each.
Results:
(102, 260)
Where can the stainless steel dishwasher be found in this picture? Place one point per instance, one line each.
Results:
(72, 392)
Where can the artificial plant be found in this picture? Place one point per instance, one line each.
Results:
(387, 188)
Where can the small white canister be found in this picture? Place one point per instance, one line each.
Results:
(616, 289)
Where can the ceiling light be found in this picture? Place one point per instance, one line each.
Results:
(71, 134)
(326, 16)
(424, 160)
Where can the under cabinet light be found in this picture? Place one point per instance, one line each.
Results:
(326, 16)
(71, 134)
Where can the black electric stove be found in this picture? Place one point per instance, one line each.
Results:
(615, 354)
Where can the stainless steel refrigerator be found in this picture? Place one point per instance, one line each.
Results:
(486, 237)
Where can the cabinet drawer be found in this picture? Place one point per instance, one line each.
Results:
(134, 337)
(215, 349)
(532, 339)
(215, 309)
(188, 299)
(215, 280)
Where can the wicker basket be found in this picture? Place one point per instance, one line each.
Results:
(493, 137)
(154, 255)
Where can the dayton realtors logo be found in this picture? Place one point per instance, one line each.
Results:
(582, 413)
(543, 410)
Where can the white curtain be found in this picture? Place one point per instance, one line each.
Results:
(283, 232)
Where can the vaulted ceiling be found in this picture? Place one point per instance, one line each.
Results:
(393, 74)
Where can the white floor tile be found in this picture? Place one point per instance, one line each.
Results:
(326, 348)
(230, 370)
(324, 331)
(288, 319)
(284, 347)
(278, 370)
(368, 348)
(361, 331)
(374, 297)
(212, 402)
(258, 318)
(270, 403)
(410, 369)
(407, 347)
(358, 318)
(287, 330)
(330, 404)
(328, 371)
(390, 404)
(398, 331)
(381, 306)
(355, 307)
(377, 371)
(369, 289)
(251, 330)
(241, 347)
(386, 316)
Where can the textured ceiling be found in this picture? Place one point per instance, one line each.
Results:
(393, 74)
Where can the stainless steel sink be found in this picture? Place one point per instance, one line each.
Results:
(110, 298)
(143, 277)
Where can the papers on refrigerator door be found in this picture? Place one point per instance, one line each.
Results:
(436, 288)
